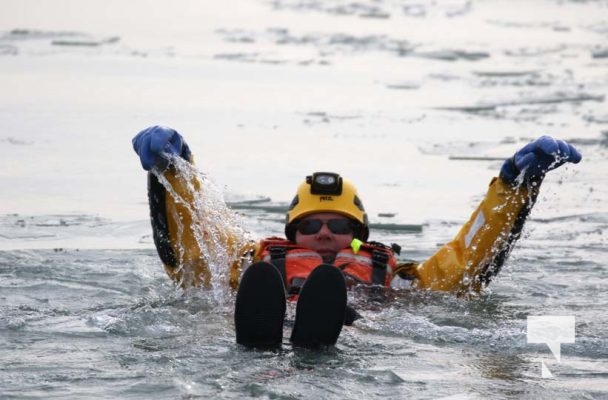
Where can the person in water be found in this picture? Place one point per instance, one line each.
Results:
(326, 249)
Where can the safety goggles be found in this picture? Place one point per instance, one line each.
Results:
(336, 226)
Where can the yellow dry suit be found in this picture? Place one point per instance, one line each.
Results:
(465, 264)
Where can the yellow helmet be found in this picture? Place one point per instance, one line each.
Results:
(326, 192)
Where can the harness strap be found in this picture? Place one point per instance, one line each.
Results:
(379, 263)
(278, 255)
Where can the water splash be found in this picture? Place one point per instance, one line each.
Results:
(217, 229)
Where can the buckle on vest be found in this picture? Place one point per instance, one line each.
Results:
(379, 259)
(296, 285)
(396, 248)
(277, 252)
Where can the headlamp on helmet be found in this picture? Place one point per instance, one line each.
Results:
(325, 183)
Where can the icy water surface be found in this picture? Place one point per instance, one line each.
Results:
(108, 324)
(416, 102)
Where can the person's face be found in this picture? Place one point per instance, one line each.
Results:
(324, 241)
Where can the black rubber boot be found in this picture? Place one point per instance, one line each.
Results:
(321, 308)
(260, 307)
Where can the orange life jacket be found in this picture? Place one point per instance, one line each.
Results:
(373, 264)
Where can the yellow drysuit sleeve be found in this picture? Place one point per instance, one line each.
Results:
(468, 262)
(185, 245)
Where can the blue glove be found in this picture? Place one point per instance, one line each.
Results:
(156, 144)
(537, 158)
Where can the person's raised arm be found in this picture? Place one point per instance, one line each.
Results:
(476, 254)
(181, 241)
